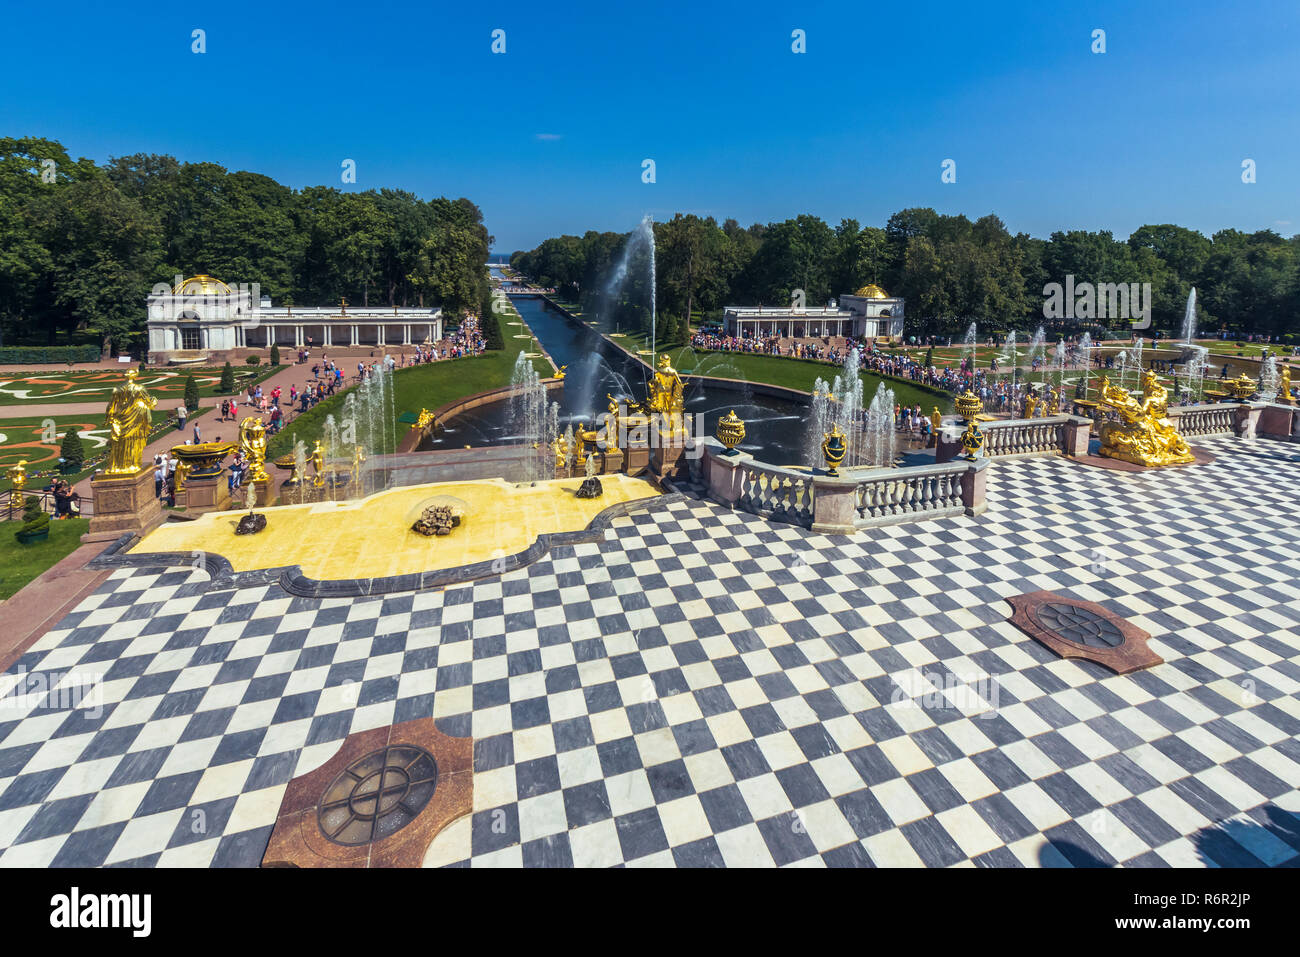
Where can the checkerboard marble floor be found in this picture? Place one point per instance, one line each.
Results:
(707, 688)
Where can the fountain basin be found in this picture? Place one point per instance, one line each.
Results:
(371, 537)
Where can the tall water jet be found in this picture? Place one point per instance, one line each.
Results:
(1008, 357)
(848, 411)
(880, 428)
(530, 417)
(1189, 318)
(968, 349)
(1058, 354)
(819, 424)
(610, 304)
(1196, 357)
(1085, 353)
(1037, 354)
(1135, 361)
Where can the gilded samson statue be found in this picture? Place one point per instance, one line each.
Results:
(1142, 435)
(666, 398)
(129, 415)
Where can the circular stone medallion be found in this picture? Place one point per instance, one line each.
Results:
(1080, 626)
(378, 795)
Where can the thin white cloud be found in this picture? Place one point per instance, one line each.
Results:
(548, 136)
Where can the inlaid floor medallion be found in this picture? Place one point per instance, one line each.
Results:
(1074, 628)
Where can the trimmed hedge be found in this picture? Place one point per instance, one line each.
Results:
(27, 355)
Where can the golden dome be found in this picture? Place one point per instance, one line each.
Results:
(202, 285)
(871, 291)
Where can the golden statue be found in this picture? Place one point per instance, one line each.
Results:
(1053, 402)
(425, 421)
(252, 443)
(18, 477)
(182, 473)
(1031, 405)
(611, 425)
(1142, 435)
(358, 459)
(1284, 387)
(318, 464)
(559, 373)
(667, 396)
(129, 416)
(936, 421)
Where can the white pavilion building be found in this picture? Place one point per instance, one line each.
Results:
(868, 313)
(202, 316)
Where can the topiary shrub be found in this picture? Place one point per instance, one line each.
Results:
(191, 394)
(36, 524)
(72, 451)
(275, 354)
(253, 360)
(227, 379)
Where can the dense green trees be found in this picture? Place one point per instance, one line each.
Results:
(81, 245)
(950, 269)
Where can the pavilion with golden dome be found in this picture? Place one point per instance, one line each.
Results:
(203, 318)
(869, 313)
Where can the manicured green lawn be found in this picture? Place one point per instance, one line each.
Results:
(19, 564)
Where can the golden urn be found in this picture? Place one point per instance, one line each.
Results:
(205, 458)
(833, 449)
(1243, 387)
(731, 431)
(289, 464)
(969, 405)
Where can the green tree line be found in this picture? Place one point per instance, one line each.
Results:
(951, 270)
(82, 244)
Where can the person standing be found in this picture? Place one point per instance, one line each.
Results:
(181, 414)
(197, 439)
(159, 477)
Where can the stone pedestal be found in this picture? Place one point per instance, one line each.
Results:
(124, 503)
(636, 460)
(974, 481)
(611, 462)
(1276, 421)
(1076, 436)
(667, 462)
(1245, 420)
(723, 474)
(207, 493)
(834, 506)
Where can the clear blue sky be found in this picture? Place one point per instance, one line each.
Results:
(549, 137)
